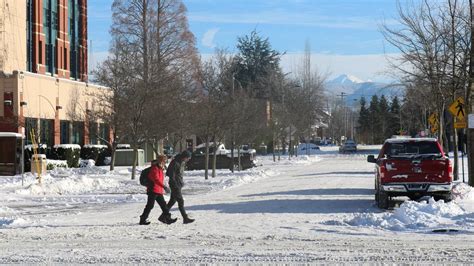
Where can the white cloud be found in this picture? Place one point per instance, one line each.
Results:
(208, 38)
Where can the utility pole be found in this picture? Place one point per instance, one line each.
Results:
(342, 95)
(470, 132)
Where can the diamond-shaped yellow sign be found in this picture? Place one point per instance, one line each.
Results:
(457, 109)
(434, 122)
(433, 119)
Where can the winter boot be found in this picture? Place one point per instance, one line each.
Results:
(187, 220)
(144, 221)
(166, 219)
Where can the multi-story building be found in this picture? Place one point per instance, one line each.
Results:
(44, 72)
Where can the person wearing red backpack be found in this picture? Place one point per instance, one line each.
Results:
(155, 191)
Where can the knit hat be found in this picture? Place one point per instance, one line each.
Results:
(186, 154)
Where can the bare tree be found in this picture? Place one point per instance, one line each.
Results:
(434, 41)
(153, 52)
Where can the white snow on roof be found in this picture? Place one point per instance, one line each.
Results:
(410, 140)
(10, 135)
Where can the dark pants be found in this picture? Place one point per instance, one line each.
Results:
(176, 196)
(152, 197)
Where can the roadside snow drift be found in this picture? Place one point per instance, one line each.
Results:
(425, 215)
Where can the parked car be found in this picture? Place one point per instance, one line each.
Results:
(308, 149)
(224, 157)
(414, 167)
(348, 146)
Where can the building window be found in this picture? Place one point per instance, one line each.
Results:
(78, 133)
(30, 124)
(46, 132)
(104, 133)
(93, 130)
(65, 132)
(40, 53)
(65, 58)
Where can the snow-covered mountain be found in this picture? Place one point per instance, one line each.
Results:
(346, 80)
(355, 88)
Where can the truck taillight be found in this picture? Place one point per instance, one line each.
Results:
(383, 170)
(450, 170)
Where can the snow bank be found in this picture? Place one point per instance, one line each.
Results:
(9, 218)
(300, 160)
(70, 185)
(86, 163)
(424, 215)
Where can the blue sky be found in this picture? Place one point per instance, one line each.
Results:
(344, 34)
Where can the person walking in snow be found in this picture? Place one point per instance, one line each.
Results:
(175, 173)
(155, 191)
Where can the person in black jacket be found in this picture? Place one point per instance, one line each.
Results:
(176, 183)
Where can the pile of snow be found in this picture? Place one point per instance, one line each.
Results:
(424, 215)
(284, 160)
(71, 185)
(86, 163)
(8, 218)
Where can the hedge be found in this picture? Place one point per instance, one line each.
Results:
(98, 153)
(69, 152)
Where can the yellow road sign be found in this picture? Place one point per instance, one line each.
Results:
(433, 119)
(434, 122)
(457, 108)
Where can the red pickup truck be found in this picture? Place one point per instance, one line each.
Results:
(412, 167)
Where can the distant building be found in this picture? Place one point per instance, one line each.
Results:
(44, 72)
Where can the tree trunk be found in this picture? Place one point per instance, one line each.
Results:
(135, 160)
(214, 159)
(214, 164)
(112, 159)
(239, 158)
(206, 160)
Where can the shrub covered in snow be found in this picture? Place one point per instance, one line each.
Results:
(69, 152)
(54, 164)
(86, 163)
(96, 153)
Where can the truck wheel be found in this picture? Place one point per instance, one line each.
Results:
(447, 197)
(415, 197)
(383, 200)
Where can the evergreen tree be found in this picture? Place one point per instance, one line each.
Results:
(384, 117)
(364, 121)
(394, 124)
(256, 62)
(374, 120)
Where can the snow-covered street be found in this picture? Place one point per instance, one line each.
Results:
(310, 209)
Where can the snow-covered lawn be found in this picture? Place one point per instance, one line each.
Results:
(308, 209)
